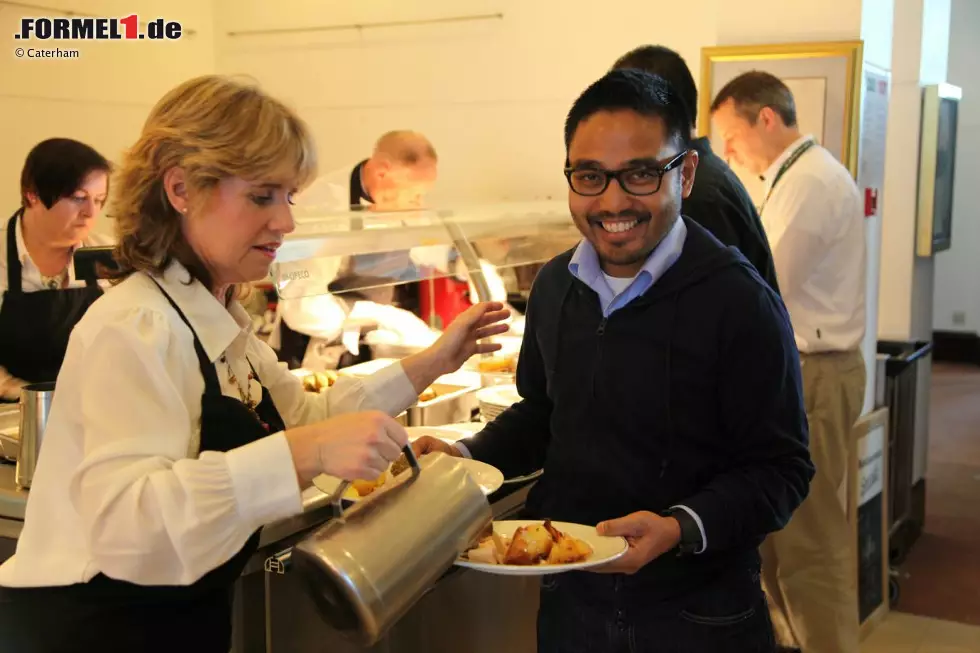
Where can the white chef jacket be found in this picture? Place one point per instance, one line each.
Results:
(31, 282)
(309, 309)
(815, 225)
(120, 487)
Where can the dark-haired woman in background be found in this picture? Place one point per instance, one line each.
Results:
(63, 187)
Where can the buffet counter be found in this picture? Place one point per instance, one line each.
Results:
(465, 611)
(13, 500)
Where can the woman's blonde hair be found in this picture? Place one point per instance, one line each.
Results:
(213, 127)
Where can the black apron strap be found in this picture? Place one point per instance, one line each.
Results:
(211, 384)
(354, 192)
(13, 257)
(357, 191)
(254, 373)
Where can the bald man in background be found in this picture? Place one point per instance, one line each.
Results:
(397, 176)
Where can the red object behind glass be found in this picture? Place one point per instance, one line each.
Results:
(442, 299)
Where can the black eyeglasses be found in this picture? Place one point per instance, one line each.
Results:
(641, 180)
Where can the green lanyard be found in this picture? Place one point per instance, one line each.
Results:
(793, 158)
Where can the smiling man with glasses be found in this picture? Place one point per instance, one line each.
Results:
(661, 394)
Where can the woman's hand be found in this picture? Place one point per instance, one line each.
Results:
(348, 447)
(458, 343)
(461, 339)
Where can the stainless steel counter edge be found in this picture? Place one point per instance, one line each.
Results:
(10, 528)
(316, 510)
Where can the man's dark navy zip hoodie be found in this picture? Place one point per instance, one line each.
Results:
(691, 394)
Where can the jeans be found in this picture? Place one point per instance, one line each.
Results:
(722, 619)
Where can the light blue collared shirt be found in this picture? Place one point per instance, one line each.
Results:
(585, 267)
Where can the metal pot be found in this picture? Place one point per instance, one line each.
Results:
(35, 402)
(366, 569)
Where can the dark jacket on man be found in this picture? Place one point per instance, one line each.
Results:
(691, 394)
(720, 203)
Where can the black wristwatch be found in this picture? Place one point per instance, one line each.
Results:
(691, 541)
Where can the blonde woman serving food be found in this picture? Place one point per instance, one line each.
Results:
(175, 435)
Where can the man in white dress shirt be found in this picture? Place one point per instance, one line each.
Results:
(813, 217)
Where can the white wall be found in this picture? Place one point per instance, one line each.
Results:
(958, 269)
(921, 46)
(101, 98)
(877, 21)
(739, 22)
(492, 95)
(919, 57)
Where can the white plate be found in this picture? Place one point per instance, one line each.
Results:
(469, 427)
(488, 477)
(527, 477)
(453, 433)
(450, 433)
(503, 396)
(604, 550)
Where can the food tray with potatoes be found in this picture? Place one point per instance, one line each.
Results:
(440, 403)
(444, 403)
(500, 367)
(317, 381)
(497, 369)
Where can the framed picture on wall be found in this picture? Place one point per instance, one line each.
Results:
(824, 78)
(937, 161)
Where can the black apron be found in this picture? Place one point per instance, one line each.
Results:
(35, 326)
(112, 616)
